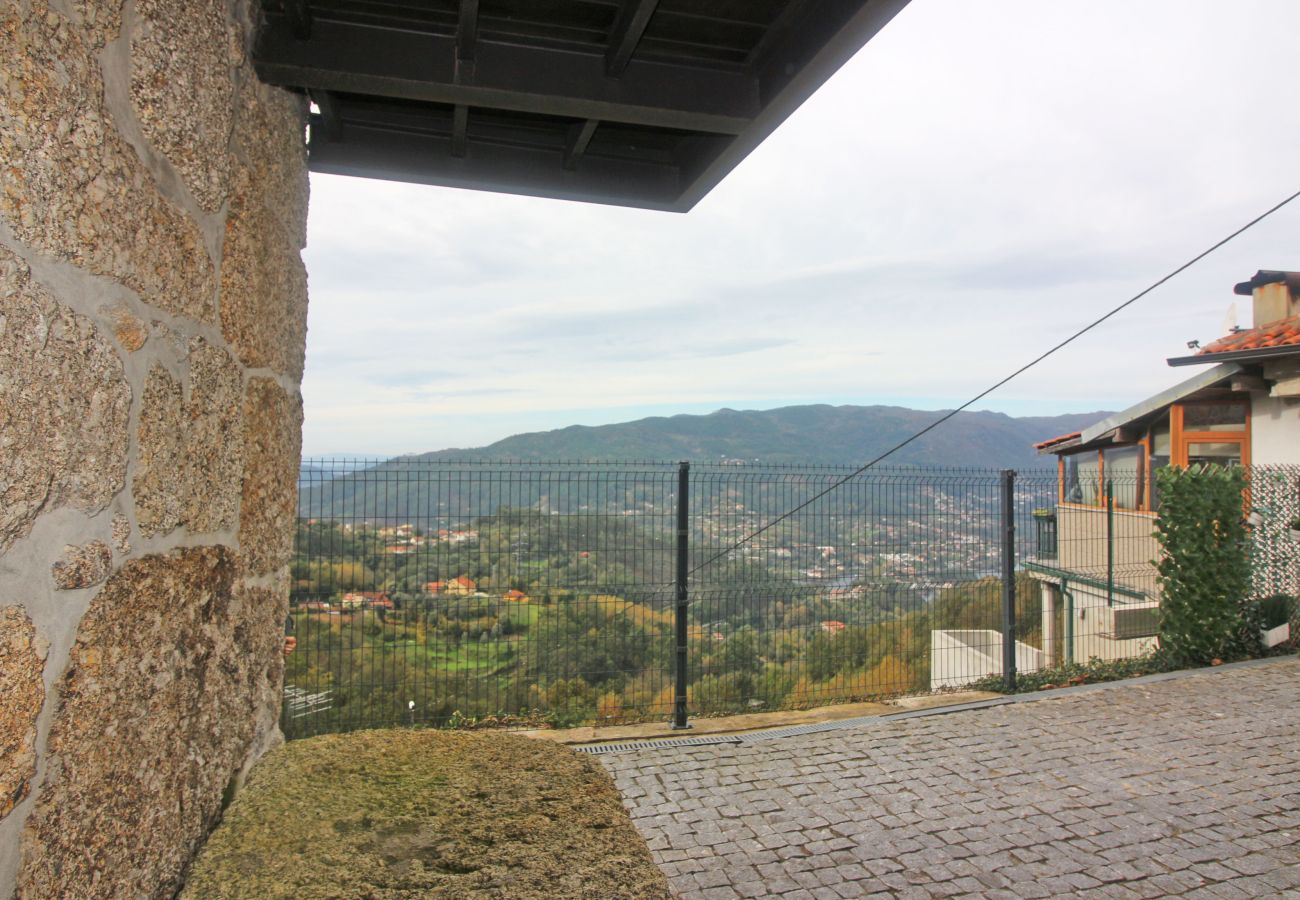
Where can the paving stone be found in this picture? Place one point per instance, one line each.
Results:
(1181, 787)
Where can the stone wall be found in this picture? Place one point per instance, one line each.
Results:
(152, 323)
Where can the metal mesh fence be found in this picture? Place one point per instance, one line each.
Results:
(518, 594)
(838, 601)
(438, 593)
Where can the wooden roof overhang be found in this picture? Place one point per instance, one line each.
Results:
(1126, 427)
(644, 103)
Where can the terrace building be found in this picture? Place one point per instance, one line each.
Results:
(1096, 546)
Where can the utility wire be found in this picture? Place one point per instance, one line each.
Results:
(984, 393)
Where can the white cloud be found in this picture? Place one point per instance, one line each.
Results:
(977, 183)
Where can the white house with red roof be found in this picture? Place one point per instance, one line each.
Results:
(462, 585)
(1095, 552)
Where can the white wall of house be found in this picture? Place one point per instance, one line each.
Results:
(1274, 430)
(1093, 623)
(960, 656)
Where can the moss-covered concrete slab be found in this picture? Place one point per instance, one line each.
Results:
(389, 814)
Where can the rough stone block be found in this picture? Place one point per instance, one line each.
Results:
(269, 144)
(214, 439)
(190, 448)
(272, 449)
(82, 566)
(263, 281)
(263, 284)
(71, 185)
(64, 405)
(156, 716)
(160, 462)
(182, 90)
(130, 332)
(259, 631)
(22, 692)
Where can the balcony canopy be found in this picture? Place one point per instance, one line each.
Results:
(645, 103)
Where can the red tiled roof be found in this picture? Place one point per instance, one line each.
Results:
(1282, 333)
(1059, 439)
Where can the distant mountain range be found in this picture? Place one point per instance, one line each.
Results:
(821, 434)
(397, 491)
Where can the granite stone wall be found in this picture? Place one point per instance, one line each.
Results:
(153, 200)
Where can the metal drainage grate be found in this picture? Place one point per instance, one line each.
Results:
(658, 744)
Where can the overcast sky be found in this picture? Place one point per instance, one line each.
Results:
(982, 179)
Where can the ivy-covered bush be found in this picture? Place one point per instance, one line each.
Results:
(1205, 567)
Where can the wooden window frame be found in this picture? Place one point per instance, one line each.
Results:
(1180, 439)
(1145, 464)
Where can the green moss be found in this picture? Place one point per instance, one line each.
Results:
(388, 814)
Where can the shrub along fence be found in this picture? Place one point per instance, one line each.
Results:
(521, 594)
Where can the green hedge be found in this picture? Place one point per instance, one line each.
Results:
(1205, 569)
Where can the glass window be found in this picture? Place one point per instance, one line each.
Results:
(1158, 462)
(1070, 492)
(1124, 474)
(1160, 443)
(1227, 416)
(1219, 453)
(1081, 478)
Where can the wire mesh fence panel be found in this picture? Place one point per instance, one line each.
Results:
(886, 585)
(454, 593)
(531, 594)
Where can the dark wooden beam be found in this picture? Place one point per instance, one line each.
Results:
(579, 137)
(331, 122)
(506, 167)
(416, 65)
(298, 13)
(459, 131)
(466, 41)
(629, 25)
(777, 32)
(467, 30)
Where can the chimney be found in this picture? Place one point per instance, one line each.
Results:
(1275, 295)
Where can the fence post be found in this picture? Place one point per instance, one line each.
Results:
(1110, 542)
(683, 548)
(1009, 579)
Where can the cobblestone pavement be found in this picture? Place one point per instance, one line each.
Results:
(1185, 787)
